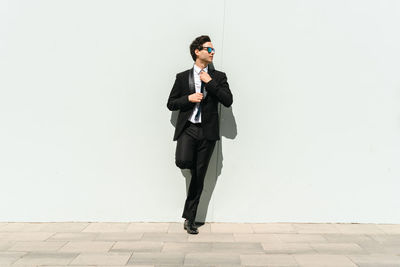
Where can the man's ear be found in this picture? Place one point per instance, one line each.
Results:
(197, 51)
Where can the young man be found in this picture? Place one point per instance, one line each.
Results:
(196, 94)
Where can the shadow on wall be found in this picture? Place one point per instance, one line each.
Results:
(228, 129)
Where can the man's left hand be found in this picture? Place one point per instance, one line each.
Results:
(205, 77)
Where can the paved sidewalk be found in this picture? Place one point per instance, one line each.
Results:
(217, 244)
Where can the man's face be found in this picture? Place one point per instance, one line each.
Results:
(203, 54)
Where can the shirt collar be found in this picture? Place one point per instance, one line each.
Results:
(197, 69)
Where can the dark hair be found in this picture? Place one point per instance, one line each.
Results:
(197, 44)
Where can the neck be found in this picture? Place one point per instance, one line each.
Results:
(201, 64)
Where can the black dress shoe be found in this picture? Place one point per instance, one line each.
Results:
(190, 227)
(186, 223)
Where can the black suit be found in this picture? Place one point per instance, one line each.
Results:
(217, 91)
(196, 141)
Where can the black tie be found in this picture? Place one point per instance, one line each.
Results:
(199, 110)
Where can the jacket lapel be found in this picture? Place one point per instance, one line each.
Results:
(192, 89)
(211, 67)
(211, 73)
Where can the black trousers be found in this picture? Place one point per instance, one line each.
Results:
(193, 152)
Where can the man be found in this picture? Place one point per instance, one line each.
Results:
(196, 94)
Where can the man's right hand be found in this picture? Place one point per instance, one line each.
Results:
(196, 97)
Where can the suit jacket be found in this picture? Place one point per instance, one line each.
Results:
(217, 92)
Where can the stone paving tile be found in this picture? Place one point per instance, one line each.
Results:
(359, 229)
(119, 236)
(46, 258)
(148, 227)
(136, 265)
(209, 237)
(72, 236)
(32, 246)
(154, 258)
(231, 228)
(288, 238)
(106, 227)
(273, 228)
(87, 246)
(178, 228)
(168, 244)
(109, 258)
(268, 260)
(287, 248)
(256, 238)
(337, 248)
(389, 228)
(64, 226)
(24, 236)
(375, 260)
(377, 248)
(177, 237)
(315, 228)
(371, 246)
(201, 258)
(237, 247)
(5, 245)
(323, 260)
(21, 227)
(140, 246)
(205, 228)
(343, 238)
(187, 247)
(387, 239)
(388, 249)
(10, 257)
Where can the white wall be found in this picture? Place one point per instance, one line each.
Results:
(312, 136)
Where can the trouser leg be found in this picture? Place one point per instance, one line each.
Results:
(185, 150)
(201, 158)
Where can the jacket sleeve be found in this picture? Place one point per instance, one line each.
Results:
(177, 100)
(221, 90)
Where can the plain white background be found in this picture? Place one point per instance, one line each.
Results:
(312, 135)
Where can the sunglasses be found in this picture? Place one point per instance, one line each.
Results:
(209, 49)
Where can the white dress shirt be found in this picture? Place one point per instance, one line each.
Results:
(197, 85)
